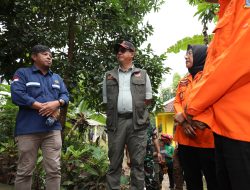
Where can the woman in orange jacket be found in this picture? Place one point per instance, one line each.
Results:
(195, 140)
(225, 89)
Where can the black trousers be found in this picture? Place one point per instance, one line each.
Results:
(171, 174)
(232, 163)
(197, 162)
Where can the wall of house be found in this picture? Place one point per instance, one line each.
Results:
(165, 122)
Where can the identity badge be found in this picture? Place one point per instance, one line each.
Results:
(247, 4)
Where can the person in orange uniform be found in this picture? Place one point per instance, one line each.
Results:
(195, 140)
(225, 89)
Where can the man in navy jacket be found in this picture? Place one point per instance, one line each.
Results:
(39, 93)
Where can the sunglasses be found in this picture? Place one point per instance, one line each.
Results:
(123, 50)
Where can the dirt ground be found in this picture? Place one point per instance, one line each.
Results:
(165, 183)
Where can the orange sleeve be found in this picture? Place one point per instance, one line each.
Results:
(206, 117)
(229, 71)
(177, 102)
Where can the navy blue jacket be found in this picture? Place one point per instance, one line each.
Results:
(30, 85)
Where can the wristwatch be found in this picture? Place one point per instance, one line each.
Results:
(61, 102)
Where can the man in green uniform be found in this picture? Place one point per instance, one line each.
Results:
(126, 91)
(152, 159)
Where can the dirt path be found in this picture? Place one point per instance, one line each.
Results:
(6, 187)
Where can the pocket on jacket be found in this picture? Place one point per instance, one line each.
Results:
(34, 89)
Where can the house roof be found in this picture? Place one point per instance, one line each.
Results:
(168, 106)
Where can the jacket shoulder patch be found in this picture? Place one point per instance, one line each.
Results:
(110, 77)
(184, 82)
(137, 74)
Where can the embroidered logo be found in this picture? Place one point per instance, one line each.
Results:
(138, 74)
(15, 78)
(181, 96)
(110, 77)
(184, 82)
(56, 82)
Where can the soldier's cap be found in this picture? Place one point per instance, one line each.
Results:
(39, 49)
(126, 45)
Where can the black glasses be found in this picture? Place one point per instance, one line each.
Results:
(122, 50)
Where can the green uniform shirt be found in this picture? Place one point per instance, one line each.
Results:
(169, 151)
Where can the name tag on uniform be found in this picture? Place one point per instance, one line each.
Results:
(56, 86)
(247, 5)
(32, 84)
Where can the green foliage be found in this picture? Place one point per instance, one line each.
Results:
(159, 105)
(82, 34)
(194, 2)
(78, 118)
(155, 73)
(176, 79)
(83, 165)
(8, 150)
(182, 44)
(84, 168)
(170, 92)
(8, 158)
(207, 12)
(8, 113)
(167, 94)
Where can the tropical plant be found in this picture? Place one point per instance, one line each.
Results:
(8, 151)
(206, 12)
(8, 158)
(183, 43)
(84, 168)
(79, 118)
(8, 113)
(76, 149)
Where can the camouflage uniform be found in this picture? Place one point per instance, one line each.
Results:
(150, 165)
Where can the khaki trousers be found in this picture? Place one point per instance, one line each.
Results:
(28, 145)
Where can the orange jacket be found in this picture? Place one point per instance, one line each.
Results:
(225, 84)
(204, 138)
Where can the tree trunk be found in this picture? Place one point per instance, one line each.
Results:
(204, 31)
(71, 46)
